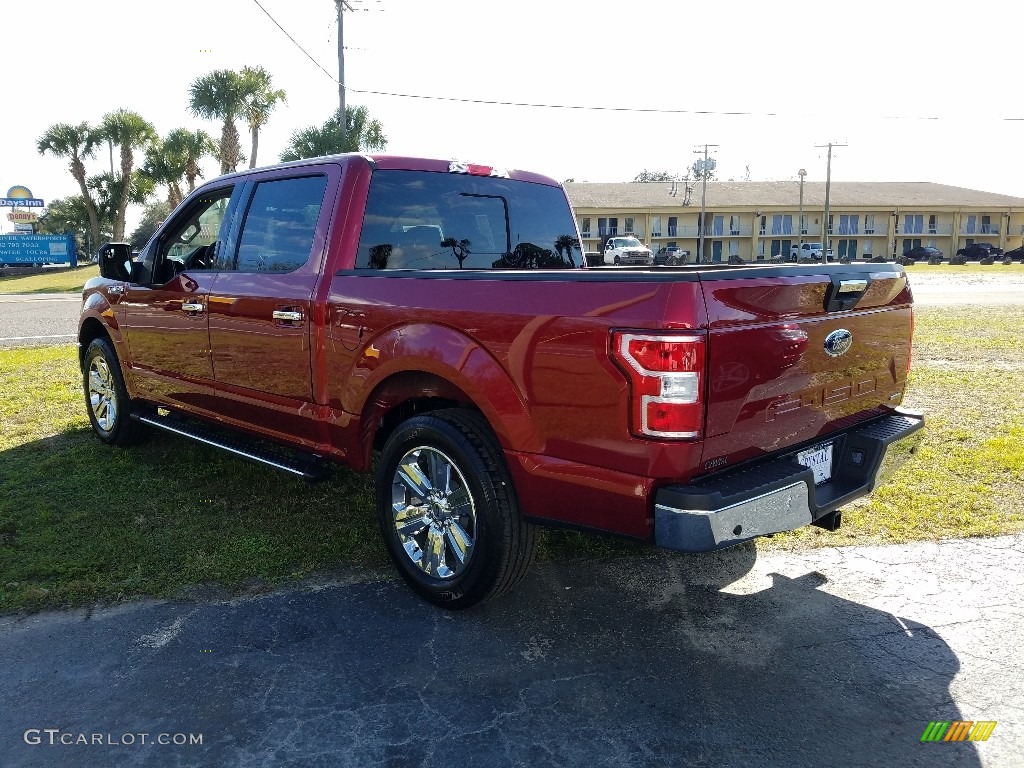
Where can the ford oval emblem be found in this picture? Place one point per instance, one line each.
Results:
(838, 342)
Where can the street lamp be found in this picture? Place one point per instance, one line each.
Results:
(800, 223)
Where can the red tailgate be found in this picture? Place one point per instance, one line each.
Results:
(796, 356)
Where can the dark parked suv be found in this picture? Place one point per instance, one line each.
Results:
(978, 251)
(1016, 253)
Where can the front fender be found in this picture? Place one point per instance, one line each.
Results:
(454, 357)
(98, 317)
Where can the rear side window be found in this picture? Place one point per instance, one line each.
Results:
(277, 235)
(424, 220)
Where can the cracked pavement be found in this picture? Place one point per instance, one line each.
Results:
(837, 656)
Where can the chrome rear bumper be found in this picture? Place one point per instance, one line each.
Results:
(778, 494)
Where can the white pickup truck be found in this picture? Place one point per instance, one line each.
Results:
(626, 250)
(809, 252)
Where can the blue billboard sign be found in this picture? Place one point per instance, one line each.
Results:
(38, 249)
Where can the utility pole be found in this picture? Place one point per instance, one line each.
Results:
(800, 222)
(703, 167)
(828, 190)
(341, 5)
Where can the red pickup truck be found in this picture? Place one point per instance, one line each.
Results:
(437, 315)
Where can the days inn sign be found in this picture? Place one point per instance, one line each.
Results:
(18, 196)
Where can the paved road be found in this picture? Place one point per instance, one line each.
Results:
(40, 318)
(949, 294)
(836, 657)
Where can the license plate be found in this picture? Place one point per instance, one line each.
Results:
(819, 460)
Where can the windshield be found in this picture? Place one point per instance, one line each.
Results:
(627, 242)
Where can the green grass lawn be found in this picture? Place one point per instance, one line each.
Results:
(81, 522)
(51, 281)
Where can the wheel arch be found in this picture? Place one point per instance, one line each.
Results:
(402, 396)
(424, 368)
(90, 330)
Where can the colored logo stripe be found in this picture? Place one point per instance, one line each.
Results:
(958, 730)
(982, 730)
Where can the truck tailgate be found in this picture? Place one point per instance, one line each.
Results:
(793, 357)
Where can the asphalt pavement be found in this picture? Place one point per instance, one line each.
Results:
(837, 657)
(39, 318)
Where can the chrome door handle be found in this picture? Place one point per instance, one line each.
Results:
(280, 314)
(118, 289)
(188, 306)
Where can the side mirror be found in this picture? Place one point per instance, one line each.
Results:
(116, 261)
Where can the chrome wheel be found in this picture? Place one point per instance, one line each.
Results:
(102, 396)
(433, 513)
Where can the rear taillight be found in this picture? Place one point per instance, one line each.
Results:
(666, 373)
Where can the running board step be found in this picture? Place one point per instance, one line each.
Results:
(308, 468)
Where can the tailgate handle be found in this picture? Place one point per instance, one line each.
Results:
(852, 286)
(845, 291)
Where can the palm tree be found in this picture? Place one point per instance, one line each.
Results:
(191, 147)
(362, 134)
(71, 213)
(259, 98)
(176, 160)
(165, 167)
(75, 142)
(219, 96)
(130, 131)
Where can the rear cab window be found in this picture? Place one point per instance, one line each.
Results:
(427, 220)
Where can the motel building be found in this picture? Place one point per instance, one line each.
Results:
(759, 220)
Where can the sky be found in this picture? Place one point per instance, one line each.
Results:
(917, 91)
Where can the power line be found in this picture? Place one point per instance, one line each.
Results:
(579, 107)
(294, 41)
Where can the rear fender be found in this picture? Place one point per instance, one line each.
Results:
(386, 376)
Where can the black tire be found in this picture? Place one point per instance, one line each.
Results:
(106, 397)
(616, 260)
(501, 542)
